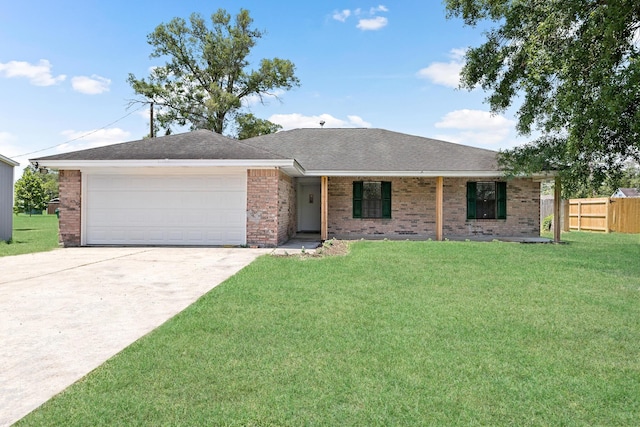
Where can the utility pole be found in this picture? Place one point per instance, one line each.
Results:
(151, 119)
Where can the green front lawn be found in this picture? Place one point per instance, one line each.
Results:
(395, 333)
(36, 233)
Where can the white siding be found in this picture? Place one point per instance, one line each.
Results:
(6, 201)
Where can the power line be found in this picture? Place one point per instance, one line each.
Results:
(82, 136)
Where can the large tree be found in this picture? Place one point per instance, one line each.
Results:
(207, 76)
(573, 66)
(50, 182)
(30, 193)
(250, 126)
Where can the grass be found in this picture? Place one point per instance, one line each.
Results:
(36, 233)
(395, 333)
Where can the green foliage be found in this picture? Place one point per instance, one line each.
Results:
(547, 222)
(628, 177)
(395, 333)
(206, 77)
(50, 183)
(574, 66)
(250, 126)
(30, 194)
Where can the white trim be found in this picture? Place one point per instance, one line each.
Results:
(449, 174)
(290, 166)
(83, 209)
(543, 176)
(79, 164)
(8, 161)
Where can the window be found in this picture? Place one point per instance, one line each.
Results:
(372, 199)
(486, 200)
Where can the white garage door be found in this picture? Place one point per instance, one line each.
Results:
(166, 210)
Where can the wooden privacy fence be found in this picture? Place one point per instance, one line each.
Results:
(621, 215)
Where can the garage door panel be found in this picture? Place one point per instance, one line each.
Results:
(173, 210)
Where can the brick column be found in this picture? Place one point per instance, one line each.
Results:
(70, 207)
(262, 207)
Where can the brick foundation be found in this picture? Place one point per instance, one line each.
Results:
(413, 210)
(70, 207)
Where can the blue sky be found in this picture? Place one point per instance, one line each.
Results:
(391, 65)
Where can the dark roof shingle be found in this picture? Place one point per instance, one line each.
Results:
(374, 150)
(199, 144)
(314, 149)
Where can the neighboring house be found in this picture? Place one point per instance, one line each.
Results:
(53, 205)
(626, 192)
(201, 188)
(6, 197)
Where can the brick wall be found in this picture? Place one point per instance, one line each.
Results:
(286, 207)
(413, 210)
(271, 209)
(70, 207)
(523, 210)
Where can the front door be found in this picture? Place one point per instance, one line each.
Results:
(309, 207)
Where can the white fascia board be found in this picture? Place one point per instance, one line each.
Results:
(428, 174)
(168, 163)
(8, 161)
(543, 176)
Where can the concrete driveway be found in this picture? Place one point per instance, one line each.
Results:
(63, 313)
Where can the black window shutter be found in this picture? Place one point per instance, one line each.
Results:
(501, 199)
(471, 200)
(386, 199)
(357, 199)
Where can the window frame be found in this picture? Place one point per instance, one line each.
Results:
(500, 203)
(358, 197)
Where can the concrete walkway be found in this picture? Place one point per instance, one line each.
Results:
(65, 312)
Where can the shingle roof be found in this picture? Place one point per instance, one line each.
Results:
(314, 149)
(374, 150)
(630, 192)
(199, 144)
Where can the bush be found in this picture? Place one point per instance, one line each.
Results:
(547, 222)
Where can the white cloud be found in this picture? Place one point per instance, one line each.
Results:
(357, 121)
(473, 119)
(38, 74)
(80, 140)
(379, 8)
(476, 127)
(342, 15)
(93, 85)
(254, 99)
(445, 73)
(368, 22)
(372, 24)
(296, 120)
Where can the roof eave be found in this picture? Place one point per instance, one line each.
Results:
(82, 164)
(8, 161)
(428, 174)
